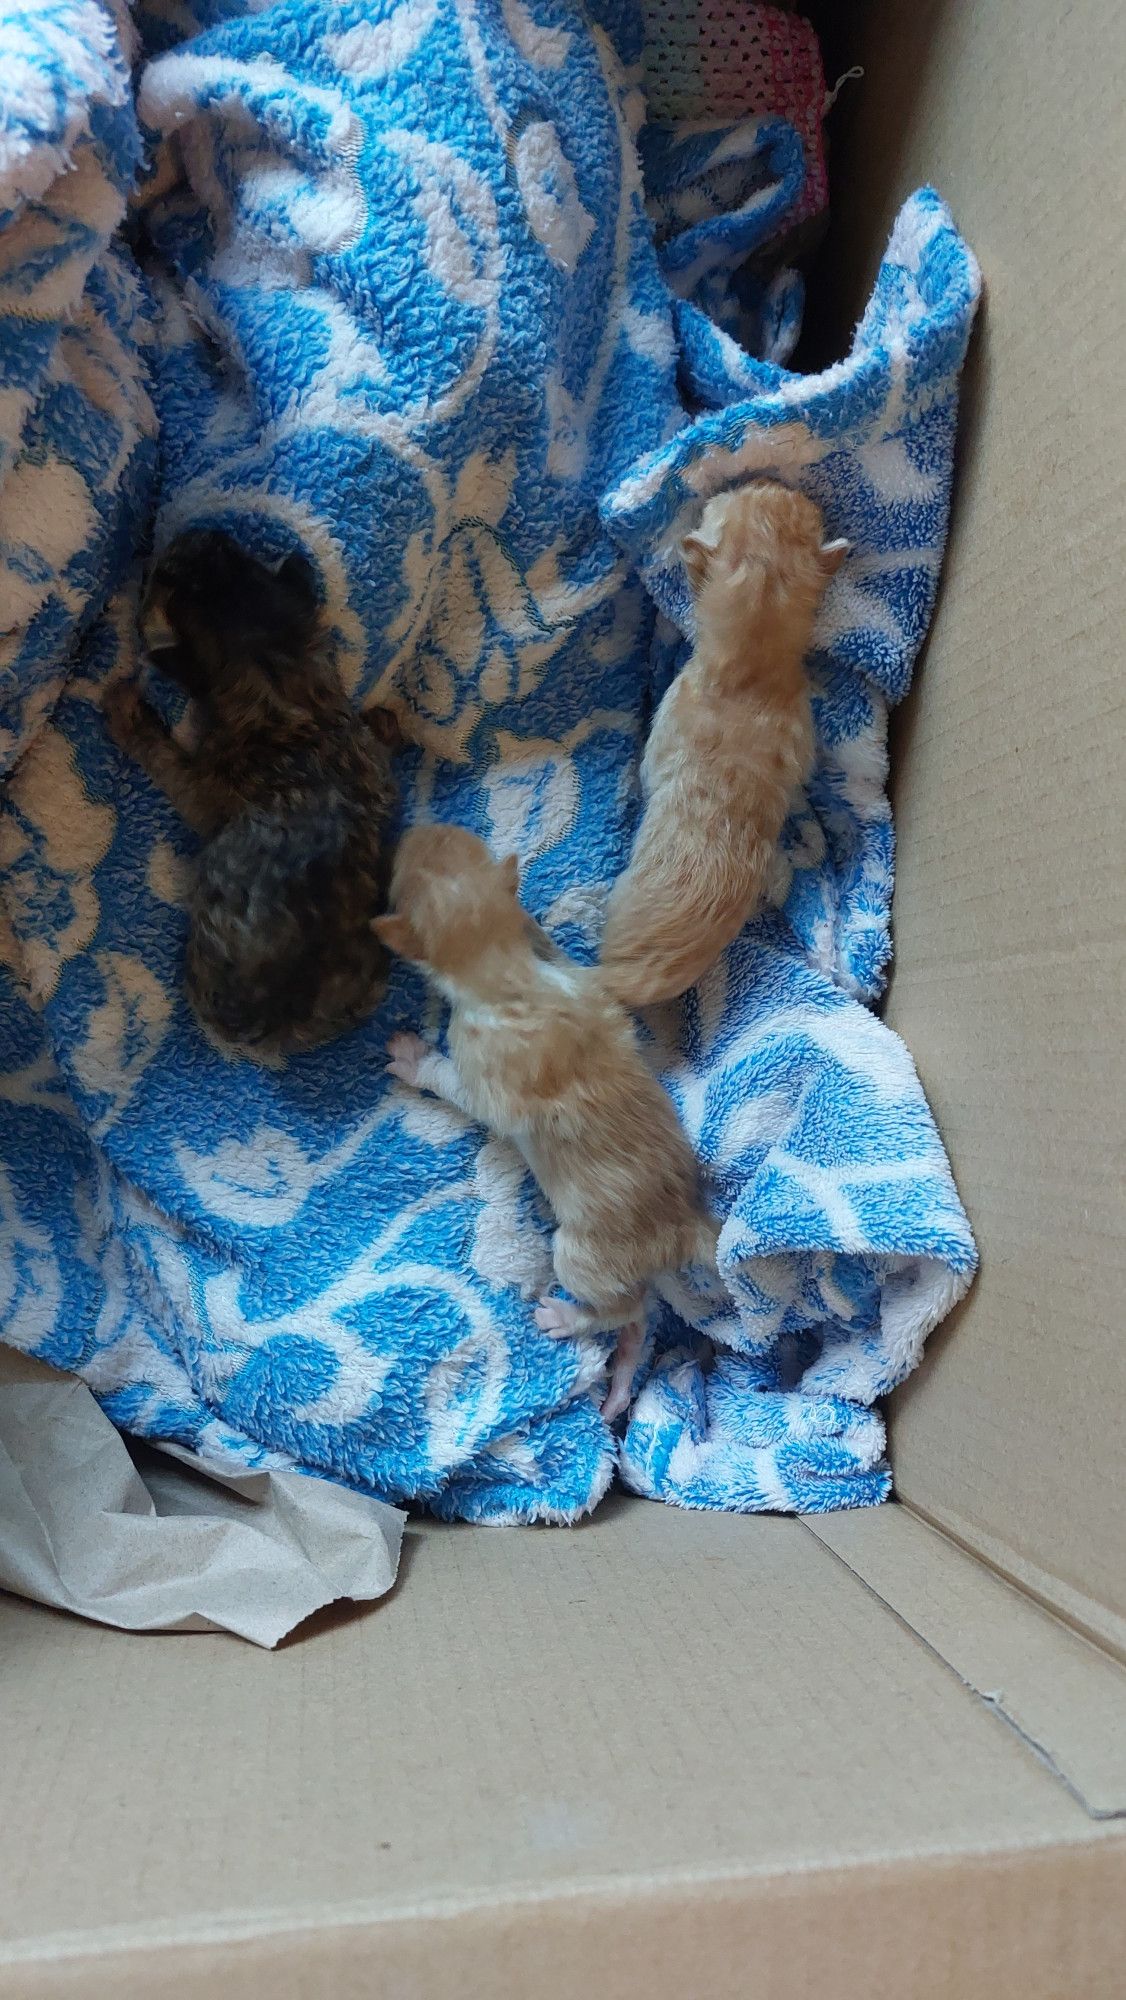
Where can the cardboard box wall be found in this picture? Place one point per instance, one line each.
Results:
(673, 1755)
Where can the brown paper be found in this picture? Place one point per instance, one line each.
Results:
(165, 1541)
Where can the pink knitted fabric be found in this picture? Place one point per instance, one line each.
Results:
(717, 59)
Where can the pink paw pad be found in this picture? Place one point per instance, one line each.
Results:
(557, 1318)
(407, 1053)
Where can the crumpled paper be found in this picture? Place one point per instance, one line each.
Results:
(164, 1541)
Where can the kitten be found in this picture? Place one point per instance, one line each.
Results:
(290, 790)
(729, 744)
(542, 1055)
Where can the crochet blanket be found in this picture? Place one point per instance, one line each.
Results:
(404, 306)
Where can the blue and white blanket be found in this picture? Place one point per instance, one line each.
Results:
(402, 304)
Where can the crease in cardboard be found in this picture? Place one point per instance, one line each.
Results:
(1083, 1615)
(996, 1703)
(993, 1697)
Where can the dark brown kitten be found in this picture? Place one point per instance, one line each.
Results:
(290, 789)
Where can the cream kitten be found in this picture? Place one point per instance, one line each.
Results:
(542, 1055)
(729, 745)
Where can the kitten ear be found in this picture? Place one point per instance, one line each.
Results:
(698, 548)
(833, 554)
(695, 553)
(398, 934)
(295, 571)
(510, 872)
(157, 630)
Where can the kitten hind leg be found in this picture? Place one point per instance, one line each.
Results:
(627, 1354)
(613, 1301)
(603, 1274)
(564, 1320)
(561, 1320)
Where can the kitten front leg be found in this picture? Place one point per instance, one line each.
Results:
(415, 1062)
(138, 732)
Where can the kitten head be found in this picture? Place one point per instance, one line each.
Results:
(452, 905)
(214, 614)
(763, 538)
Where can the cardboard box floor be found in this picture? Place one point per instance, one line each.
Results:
(673, 1755)
(663, 1754)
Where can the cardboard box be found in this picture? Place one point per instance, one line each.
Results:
(671, 1755)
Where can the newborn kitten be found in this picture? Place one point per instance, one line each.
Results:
(541, 1054)
(290, 790)
(730, 743)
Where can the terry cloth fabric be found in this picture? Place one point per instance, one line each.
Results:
(413, 318)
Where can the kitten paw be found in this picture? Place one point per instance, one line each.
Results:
(407, 1054)
(558, 1318)
(616, 1402)
(385, 726)
(126, 714)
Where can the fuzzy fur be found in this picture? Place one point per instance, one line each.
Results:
(542, 1054)
(289, 789)
(730, 743)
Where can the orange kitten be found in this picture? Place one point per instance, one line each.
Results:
(542, 1055)
(729, 745)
